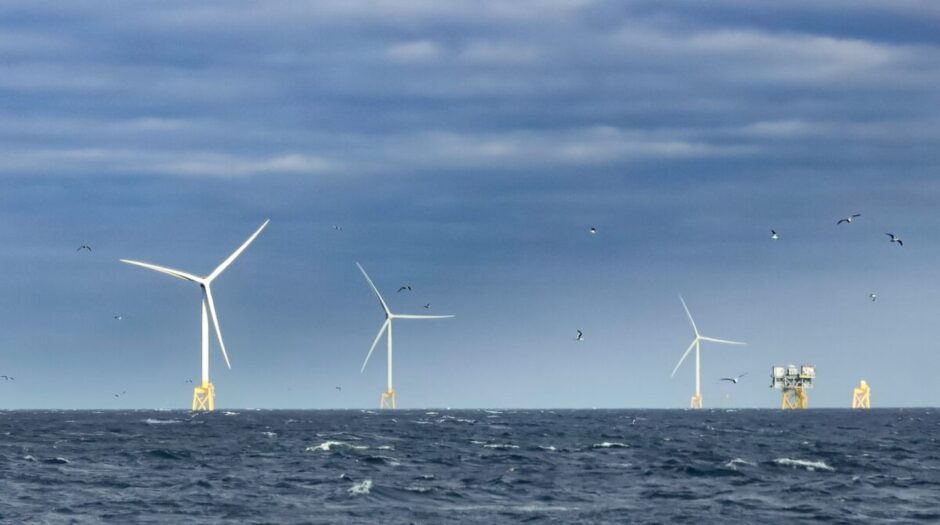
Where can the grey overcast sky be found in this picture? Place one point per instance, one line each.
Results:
(466, 147)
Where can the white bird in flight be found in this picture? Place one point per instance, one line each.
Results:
(849, 219)
(580, 336)
(873, 296)
(733, 379)
(895, 238)
(773, 235)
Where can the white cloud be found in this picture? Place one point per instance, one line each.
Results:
(417, 51)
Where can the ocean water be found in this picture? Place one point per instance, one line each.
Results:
(470, 466)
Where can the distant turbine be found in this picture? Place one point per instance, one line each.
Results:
(388, 397)
(696, 401)
(204, 394)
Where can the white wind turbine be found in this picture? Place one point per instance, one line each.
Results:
(388, 397)
(696, 401)
(204, 394)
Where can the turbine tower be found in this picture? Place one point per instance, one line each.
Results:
(696, 401)
(204, 394)
(387, 400)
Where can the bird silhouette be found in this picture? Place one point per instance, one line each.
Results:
(580, 336)
(406, 287)
(83, 247)
(733, 379)
(895, 238)
(773, 235)
(849, 219)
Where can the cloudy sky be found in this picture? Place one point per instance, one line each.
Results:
(466, 148)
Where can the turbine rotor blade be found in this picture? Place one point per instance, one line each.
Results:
(207, 293)
(221, 268)
(725, 341)
(694, 328)
(686, 354)
(374, 289)
(408, 316)
(169, 271)
(377, 337)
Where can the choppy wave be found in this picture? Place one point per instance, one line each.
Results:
(326, 446)
(609, 444)
(364, 487)
(283, 466)
(803, 463)
(738, 462)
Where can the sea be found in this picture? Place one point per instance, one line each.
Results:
(470, 466)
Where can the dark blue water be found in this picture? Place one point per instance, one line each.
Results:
(472, 466)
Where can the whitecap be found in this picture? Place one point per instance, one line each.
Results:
(227, 413)
(326, 446)
(385, 447)
(803, 463)
(608, 444)
(29, 458)
(733, 464)
(361, 488)
(550, 448)
(492, 411)
(150, 421)
(501, 446)
(270, 434)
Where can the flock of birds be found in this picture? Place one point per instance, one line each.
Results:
(579, 336)
(774, 236)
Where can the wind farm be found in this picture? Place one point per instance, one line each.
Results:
(523, 189)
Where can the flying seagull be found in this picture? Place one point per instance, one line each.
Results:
(337, 228)
(773, 235)
(406, 287)
(873, 296)
(580, 336)
(118, 317)
(895, 238)
(339, 388)
(733, 379)
(83, 247)
(848, 219)
(7, 378)
(427, 306)
(593, 230)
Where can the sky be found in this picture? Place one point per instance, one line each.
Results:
(466, 148)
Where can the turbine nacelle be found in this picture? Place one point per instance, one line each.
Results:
(389, 316)
(205, 283)
(696, 343)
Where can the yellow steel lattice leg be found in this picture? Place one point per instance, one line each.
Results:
(204, 398)
(387, 400)
(794, 399)
(861, 396)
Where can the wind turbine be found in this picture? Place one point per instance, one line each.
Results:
(204, 394)
(388, 397)
(696, 401)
